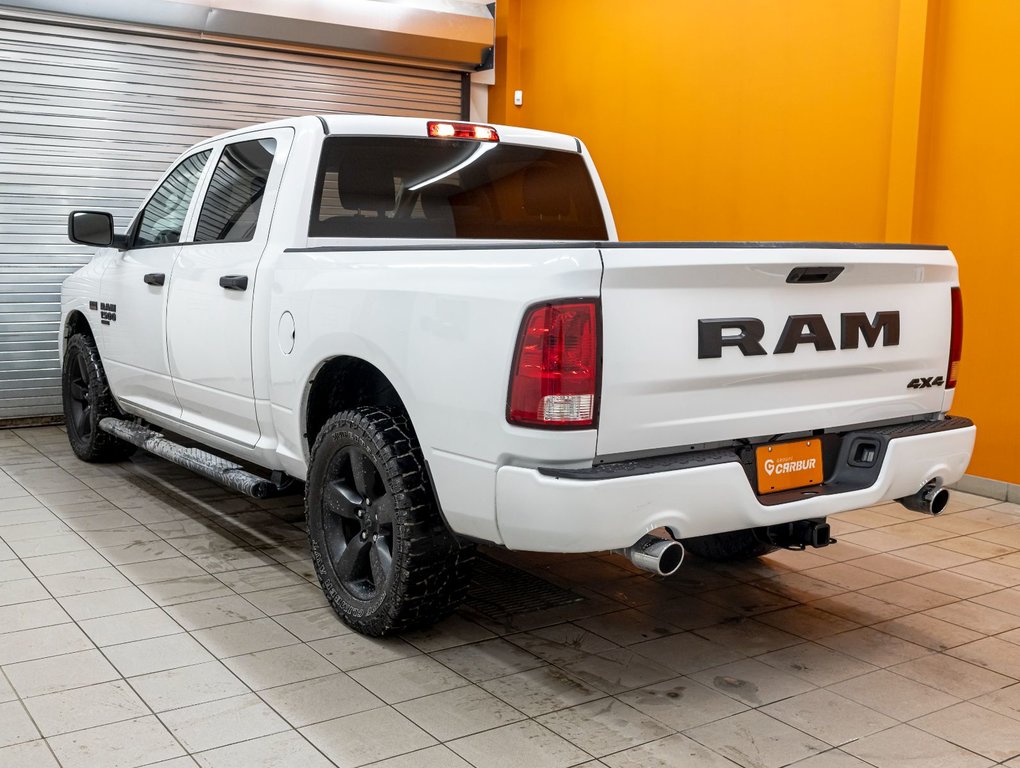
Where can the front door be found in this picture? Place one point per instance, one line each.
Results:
(130, 313)
(209, 316)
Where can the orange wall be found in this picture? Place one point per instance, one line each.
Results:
(718, 119)
(969, 196)
(800, 120)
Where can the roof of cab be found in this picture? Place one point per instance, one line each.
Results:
(382, 125)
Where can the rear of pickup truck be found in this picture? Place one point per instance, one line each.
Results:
(750, 386)
(572, 392)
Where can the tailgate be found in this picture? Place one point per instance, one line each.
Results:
(673, 375)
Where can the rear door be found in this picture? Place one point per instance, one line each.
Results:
(209, 315)
(832, 336)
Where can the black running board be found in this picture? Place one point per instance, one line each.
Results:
(222, 471)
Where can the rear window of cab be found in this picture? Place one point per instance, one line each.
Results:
(393, 187)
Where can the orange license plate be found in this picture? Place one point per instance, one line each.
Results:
(782, 466)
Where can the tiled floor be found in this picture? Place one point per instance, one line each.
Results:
(148, 617)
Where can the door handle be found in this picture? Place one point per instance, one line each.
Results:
(234, 282)
(154, 278)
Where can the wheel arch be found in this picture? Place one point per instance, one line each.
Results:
(344, 382)
(76, 322)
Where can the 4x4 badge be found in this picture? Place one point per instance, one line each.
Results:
(925, 383)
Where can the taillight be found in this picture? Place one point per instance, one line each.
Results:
(474, 131)
(554, 381)
(955, 339)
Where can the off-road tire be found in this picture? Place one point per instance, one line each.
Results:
(430, 570)
(729, 546)
(87, 400)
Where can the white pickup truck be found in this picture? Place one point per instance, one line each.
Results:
(434, 326)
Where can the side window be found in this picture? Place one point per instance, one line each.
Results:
(232, 203)
(163, 217)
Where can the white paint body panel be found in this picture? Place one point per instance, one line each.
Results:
(440, 321)
(656, 393)
(138, 370)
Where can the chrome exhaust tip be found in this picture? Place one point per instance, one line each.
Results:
(656, 554)
(930, 500)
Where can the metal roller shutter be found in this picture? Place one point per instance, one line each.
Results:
(90, 117)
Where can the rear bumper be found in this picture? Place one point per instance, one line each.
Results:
(606, 509)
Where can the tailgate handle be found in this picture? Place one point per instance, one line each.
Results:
(814, 274)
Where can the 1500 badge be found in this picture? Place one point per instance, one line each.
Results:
(107, 311)
(926, 382)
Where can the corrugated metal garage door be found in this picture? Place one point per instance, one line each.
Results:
(89, 118)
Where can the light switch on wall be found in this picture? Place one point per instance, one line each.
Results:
(518, 98)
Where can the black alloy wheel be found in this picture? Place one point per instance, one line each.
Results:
(80, 406)
(87, 401)
(384, 557)
(359, 524)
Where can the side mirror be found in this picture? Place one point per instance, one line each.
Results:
(90, 228)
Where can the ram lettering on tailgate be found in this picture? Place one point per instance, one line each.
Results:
(799, 329)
